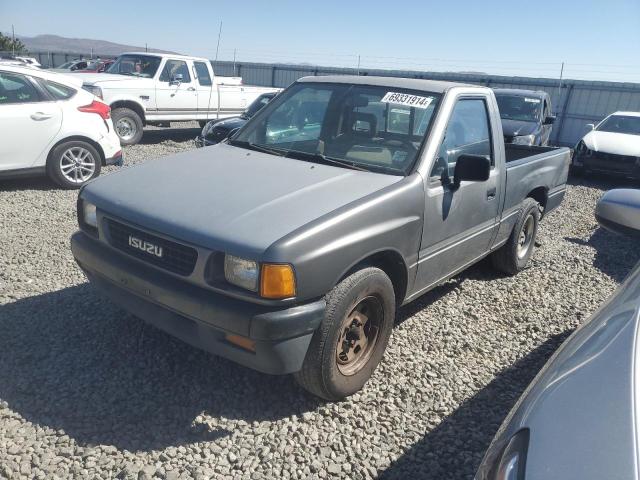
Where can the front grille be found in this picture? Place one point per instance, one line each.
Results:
(508, 139)
(175, 257)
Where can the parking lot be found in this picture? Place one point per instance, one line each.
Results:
(87, 391)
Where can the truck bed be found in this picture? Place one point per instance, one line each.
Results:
(530, 168)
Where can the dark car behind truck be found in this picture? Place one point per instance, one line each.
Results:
(526, 116)
(342, 199)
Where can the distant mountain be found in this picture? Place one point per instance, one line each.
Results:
(55, 43)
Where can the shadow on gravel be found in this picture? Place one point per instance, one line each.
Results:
(616, 255)
(152, 137)
(27, 183)
(71, 361)
(454, 448)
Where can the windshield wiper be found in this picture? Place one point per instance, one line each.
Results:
(331, 160)
(258, 147)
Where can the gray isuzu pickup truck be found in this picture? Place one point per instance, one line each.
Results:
(288, 247)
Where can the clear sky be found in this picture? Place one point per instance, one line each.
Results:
(595, 39)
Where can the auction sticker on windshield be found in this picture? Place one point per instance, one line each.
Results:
(416, 101)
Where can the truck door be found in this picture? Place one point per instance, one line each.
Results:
(459, 223)
(176, 94)
(204, 85)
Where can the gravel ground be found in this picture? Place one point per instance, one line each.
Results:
(87, 391)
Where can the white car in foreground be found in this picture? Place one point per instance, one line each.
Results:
(611, 147)
(50, 125)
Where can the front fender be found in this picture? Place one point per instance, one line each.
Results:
(323, 251)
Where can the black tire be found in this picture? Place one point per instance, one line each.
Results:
(59, 164)
(128, 125)
(322, 373)
(576, 171)
(202, 123)
(511, 258)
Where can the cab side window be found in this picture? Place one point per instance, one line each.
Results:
(173, 68)
(467, 133)
(15, 88)
(202, 72)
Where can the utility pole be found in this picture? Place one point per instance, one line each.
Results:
(146, 48)
(218, 46)
(91, 53)
(13, 41)
(358, 64)
(560, 83)
(234, 60)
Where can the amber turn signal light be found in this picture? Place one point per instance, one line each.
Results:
(277, 281)
(242, 342)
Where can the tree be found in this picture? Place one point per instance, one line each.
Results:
(9, 45)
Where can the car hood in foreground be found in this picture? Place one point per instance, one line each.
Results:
(228, 198)
(518, 127)
(610, 142)
(582, 408)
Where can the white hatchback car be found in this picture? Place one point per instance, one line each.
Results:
(50, 125)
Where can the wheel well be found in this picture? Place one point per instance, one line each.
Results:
(539, 195)
(79, 138)
(391, 263)
(131, 106)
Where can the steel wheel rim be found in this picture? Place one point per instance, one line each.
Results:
(77, 164)
(359, 334)
(126, 128)
(526, 236)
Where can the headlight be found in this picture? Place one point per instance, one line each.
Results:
(524, 139)
(97, 91)
(89, 214)
(240, 272)
(510, 464)
(206, 130)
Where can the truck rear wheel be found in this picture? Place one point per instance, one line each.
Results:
(128, 125)
(352, 338)
(513, 256)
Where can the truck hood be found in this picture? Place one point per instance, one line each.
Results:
(227, 198)
(518, 127)
(611, 142)
(122, 80)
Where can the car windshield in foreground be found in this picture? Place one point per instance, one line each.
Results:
(136, 65)
(363, 127)
(518, 107)
(621, 124)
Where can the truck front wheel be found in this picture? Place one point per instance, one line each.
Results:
(352, 338)
(513, 256)
(128, 125)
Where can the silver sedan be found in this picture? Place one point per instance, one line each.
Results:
(579, 417)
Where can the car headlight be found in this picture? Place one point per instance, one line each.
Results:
(273, 281)
(510, 463)
(524, 139)
(241, 272)
(89, 215)
(97, 91)
(206, 130)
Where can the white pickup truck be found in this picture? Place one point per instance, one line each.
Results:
(155, 89)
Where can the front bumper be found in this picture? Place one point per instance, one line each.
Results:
(610, 164)
(199, 316)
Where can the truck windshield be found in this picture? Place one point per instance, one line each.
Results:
(373, 128)
(621, 124)
(137, 65)
(517, 107)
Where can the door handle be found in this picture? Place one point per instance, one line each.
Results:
(491, 193)
(40, 116)
(192, 89)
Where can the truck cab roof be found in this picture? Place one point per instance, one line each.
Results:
(433, 86)
(521, 92)
(167, 55)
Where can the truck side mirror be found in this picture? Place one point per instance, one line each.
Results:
(550, 120)
(619, 211)
(590, 126)
(176, 79)
(471, 168)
